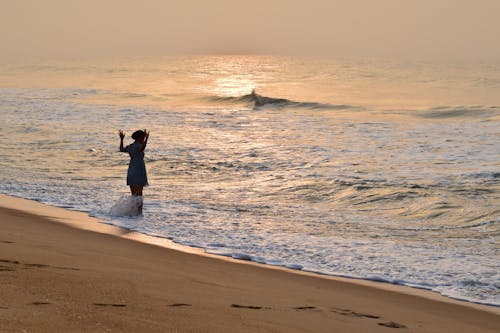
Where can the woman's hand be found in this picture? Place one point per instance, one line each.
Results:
(145, 142)
(122, 135)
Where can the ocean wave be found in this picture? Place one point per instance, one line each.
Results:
(23, 94)
(133, 95)
(483, 175)
(489, 223)
(259, 101)
(444, 112)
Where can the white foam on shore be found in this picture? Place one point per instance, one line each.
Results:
(127, 205)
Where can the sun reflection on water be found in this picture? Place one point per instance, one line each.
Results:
(234, 85)
(234, 76)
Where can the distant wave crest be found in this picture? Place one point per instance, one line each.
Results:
(259, 101)
(442, 112)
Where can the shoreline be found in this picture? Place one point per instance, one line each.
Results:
(49, 253)
(83, 221)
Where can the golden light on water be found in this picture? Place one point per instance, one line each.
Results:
(234, 85)
(234, 75)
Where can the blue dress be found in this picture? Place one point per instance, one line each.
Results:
(136, 175)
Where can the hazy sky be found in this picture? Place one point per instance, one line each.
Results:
(54, 29)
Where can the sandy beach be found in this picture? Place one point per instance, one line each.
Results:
(62, 271)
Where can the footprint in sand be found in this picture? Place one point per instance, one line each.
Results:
(116, 305)
(10, 261)
(6, 269)
(179, 305)
(27, 266)
(66, 268)
(347, 312)
(35, 266)
(251, 307)
(306, 307)
(392, 324)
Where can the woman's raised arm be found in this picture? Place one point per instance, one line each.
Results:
(146, 137)
(122, 135)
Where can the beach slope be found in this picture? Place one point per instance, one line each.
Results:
(55, 277)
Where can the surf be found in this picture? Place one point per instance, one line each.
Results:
(127, 206)
(257, 101)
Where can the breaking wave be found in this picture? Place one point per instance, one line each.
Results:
(259, 101)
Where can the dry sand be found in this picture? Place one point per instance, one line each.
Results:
(56, 277)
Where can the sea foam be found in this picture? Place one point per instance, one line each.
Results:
(127, 205)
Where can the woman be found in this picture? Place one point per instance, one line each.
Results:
(136, 175)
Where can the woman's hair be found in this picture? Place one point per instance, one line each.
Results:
(138, 135)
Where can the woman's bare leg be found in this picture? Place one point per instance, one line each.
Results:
(137, 191)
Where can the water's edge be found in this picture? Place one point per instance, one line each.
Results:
(165, 242)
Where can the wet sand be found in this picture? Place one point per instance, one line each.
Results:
(64, 271)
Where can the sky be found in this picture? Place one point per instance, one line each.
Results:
(78, 29)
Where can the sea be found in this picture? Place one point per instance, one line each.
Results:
(376, 169)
